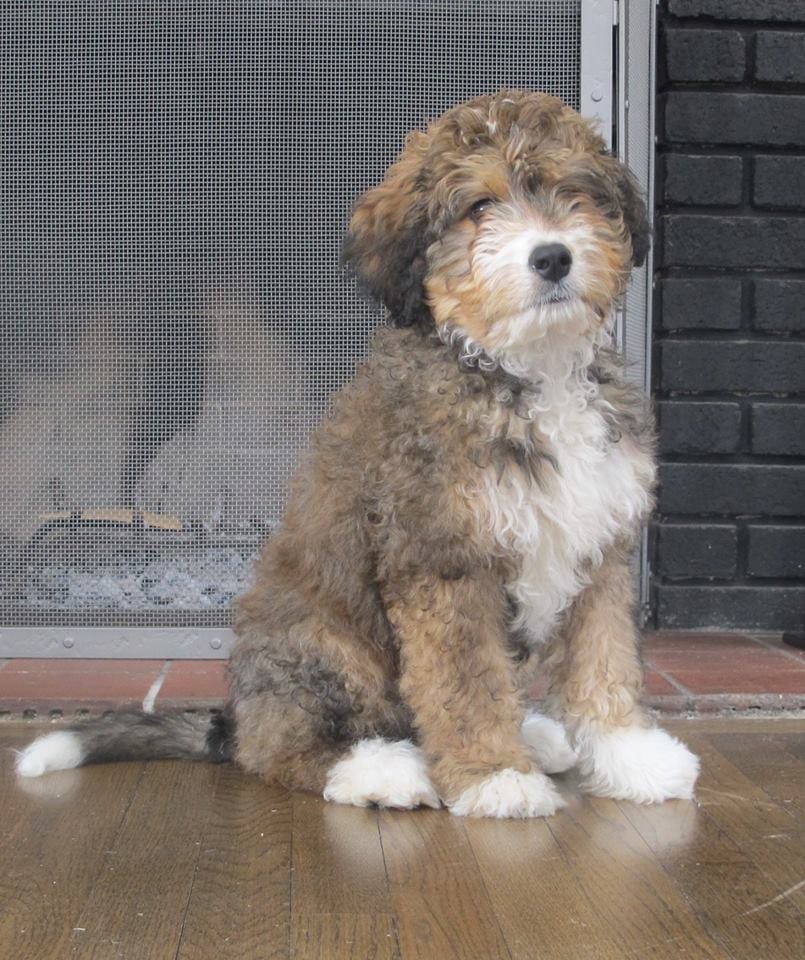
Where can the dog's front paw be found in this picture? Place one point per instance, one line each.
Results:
(509, 794)
(548, 739)
(646, 765)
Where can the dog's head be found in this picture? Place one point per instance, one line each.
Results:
(507, 217)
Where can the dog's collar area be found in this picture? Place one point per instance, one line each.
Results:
(472, 358)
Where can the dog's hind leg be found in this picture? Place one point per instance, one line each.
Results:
(327, 720)
(281, 742)
(597, 685)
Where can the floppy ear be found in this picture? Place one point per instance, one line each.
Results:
(635, 215)
(386, 242)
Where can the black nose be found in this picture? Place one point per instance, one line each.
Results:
(551, 261)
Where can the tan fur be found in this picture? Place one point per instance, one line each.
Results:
(457, 677)
(597, 675)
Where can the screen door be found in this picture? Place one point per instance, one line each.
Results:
(178, 177)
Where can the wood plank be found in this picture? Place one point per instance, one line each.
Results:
(182, 847)
(53, 836)
(240, 904)
(337, 858)
(769, 836)
(771, 763)
(541, 908)
(344, 936)
(437, 893)
(340, 900)
(718, 881)
(137, 906)
(618, 873)
(782, 723)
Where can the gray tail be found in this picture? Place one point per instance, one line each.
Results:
(131, 736)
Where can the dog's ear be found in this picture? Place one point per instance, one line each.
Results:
(386, 242)
(635, 215)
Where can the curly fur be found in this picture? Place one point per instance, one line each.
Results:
(469, 505)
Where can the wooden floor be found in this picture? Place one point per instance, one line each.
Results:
(172, 860)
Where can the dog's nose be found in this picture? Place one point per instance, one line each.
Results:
(551, 261)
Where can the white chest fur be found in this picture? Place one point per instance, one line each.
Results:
(557, 528)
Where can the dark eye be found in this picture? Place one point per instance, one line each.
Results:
(477, 210)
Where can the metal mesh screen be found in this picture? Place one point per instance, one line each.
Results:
(177, 181)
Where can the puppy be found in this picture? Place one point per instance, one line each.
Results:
(465, 515)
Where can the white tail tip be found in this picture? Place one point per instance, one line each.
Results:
(54, 751)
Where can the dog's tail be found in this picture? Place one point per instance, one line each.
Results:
(131, 736)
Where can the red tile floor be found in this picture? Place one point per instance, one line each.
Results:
(685, 673)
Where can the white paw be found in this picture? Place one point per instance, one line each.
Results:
(548, 739)
(390, 773)
(509, 793)
(646, 765)
(54, 751)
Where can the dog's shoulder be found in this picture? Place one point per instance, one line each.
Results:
(410, 387)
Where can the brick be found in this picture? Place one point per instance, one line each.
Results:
(770, 119)
(702, 181)
(778, 428)
(701, 366)
(709, 303)
(777, 243)
(792, 11)
(67, 684)
(194, 681)
(746, 608)
(779, 305)
(692, 551)
(705, 55)
(780, 57)
(779, 182)
(776, 552)
(691, 427)
(723, 489)
(712, 664)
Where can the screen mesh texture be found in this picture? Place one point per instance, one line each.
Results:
(177, 179)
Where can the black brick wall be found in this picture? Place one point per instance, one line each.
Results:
(729, 545)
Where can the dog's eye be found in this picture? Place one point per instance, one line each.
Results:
(477, 210)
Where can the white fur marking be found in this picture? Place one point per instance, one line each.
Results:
(54, 751)
(646, 765)
(557, 527)
(388, 773)
(509, 794)
(548, 739)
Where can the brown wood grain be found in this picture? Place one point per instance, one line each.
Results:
(240, 904)
(341, 904)
(437, 893)
(771, 838)
(646, 913)
(54, 835)
(719, 881)
(337, 859)
(770, 761)
(348, 936)
(137, 906)
(527, 876)
(192, 862)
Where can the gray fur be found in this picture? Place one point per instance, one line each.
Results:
(144, 736)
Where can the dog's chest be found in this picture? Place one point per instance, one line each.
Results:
(557, 527)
